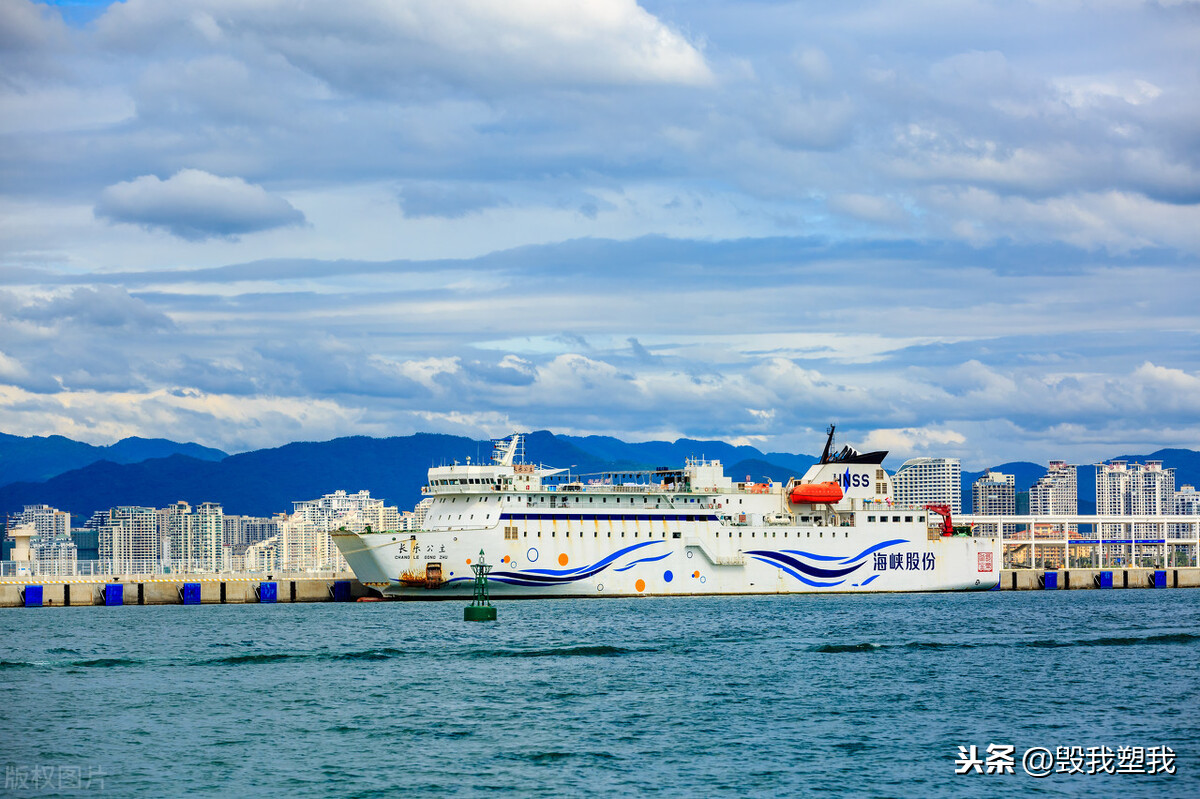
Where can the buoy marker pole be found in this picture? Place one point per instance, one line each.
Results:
(481, 608)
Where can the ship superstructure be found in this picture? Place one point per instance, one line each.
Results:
(668, 531)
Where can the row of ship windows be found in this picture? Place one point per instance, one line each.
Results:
(612, 517)
(894, 519)
(576, 500)
(510, 534)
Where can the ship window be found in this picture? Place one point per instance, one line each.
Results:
(676, 535)
(908, 518)
(920, 518)
(809, 534)
(820, 535)
(739, 533)
(895, 518)
(870, 518)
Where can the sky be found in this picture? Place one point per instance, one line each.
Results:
(965, 229)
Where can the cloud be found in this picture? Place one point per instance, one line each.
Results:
(704, 219)
(394, 47)
(449, 202)
(99, 306)
(193, 204)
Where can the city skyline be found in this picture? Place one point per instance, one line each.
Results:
(712, 220)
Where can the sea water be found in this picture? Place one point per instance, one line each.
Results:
(731, 696)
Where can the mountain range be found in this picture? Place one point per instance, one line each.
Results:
(82, 478)
(267, 481)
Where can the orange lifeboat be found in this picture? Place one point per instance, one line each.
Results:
(813, 493)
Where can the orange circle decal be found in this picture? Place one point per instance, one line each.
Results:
(468, 561)
(504, 559)
(562, 559)
(695, 574)
(640, 585)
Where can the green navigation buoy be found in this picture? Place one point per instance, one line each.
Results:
(480, 608)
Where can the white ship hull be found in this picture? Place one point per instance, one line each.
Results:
(690, 532)
(574, 562)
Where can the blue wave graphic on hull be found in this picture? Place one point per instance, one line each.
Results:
(643, 560)
(546, 577)
(789, 561)
(811, 571)
(772, 562)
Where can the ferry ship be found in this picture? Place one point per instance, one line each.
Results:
(669, 532)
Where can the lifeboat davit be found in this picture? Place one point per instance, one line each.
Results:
(813, 493)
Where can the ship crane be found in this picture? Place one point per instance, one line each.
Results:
(947, 525)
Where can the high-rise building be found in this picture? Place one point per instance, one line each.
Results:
(50, 523)
(57, 556)
(241, 531)
(1187, 501)
(1133, 488)
(304, 542)
(51, 548)
(193, 539)
(1056, 493)
(993, 494)
(262, 556)
(130, 539)
(87, 538)
(1124, 488)
(929, 481)
(419, 513)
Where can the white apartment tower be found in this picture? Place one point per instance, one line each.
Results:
(1056, 493)
(1134, 489)
(49, 522)
(994, 494)
(130, 539)
(929, 481)
(1187, 501)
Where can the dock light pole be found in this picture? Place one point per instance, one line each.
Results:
(480, 609)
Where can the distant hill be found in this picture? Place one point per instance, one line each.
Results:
(267, 481)
(257, 483)
(38, 458)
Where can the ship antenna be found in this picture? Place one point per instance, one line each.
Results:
(828, 445)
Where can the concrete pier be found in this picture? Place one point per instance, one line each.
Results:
(158, 590)
(1076, 579)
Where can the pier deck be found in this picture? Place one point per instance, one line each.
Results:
(170, 590)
